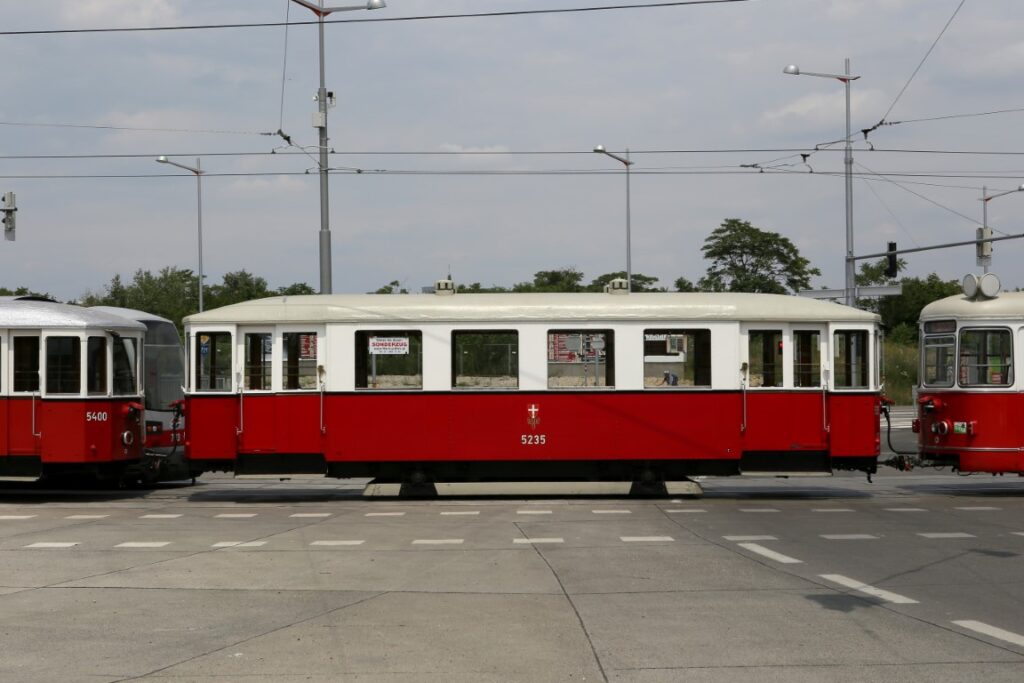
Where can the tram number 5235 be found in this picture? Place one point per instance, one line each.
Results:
(533, 439)
(97, 416)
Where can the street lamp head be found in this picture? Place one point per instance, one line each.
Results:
(161, 159)
(1021, 188)
(792, 70)
(599, 149)
(376, 4)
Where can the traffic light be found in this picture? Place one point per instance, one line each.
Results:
(9, 210)
(891, 265)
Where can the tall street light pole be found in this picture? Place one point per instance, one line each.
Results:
(199, 203)
(850, 287)
(320, 122)
(629, 259)
(986, 260)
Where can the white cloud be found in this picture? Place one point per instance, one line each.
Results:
(116, 13)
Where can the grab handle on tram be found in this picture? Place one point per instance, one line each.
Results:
(34, 432)
(743, 392)
(824, 402)
(241, 405)
(320, 372)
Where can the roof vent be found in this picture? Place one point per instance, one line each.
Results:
(985, 287)
(617, 286)
(444, 287)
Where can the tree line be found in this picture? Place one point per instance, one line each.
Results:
(740, 256)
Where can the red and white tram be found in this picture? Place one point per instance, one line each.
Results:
(969, 396)
(70, 395)
(533, 386)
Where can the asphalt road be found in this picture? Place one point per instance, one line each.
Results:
(915, 577)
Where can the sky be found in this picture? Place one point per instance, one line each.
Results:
(420, 102)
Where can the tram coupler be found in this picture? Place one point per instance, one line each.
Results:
(903, 463)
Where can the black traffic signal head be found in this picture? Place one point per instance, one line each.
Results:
(891, 266)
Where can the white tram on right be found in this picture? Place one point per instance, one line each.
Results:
(970, 397)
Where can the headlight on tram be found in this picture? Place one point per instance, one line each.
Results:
(128, 437)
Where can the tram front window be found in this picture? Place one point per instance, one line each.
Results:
(63, 365)
(765, 349)
(96, 368)
(938, 358)
(807, 358)
(850, 358)
(298, 360)
(126, 362)
(213, 361)
(985, 358)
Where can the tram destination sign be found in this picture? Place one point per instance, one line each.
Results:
(389, 346)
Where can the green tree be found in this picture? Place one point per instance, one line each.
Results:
(900, 314)
(236, 287)
(747, 259)
(682, 284)
(295, 289)
(172, 293)
(563, 280)
(22, 291)
(393, 287)
(476, 288)
(641, 282)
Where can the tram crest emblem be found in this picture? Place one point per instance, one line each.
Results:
(533, 410)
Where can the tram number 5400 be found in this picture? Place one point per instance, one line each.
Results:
(97, 416)
(533, 439)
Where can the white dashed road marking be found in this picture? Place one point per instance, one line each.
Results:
(533, 541)
(52, 545)
(86, 516)
(992, 631)
(311, 515)
(438, 541)
(750, 538)
(849, 537)
(143, 544)
(159, 516)
(13, 517)
(646, 539)
(953, 534)
(770, 554)
(236, 515)
(864, 588)
(335, 543)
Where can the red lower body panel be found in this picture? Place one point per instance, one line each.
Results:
(976, 431)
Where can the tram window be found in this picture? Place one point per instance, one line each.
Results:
(96, 366)
(63, 365)
(389, 359)
(258, 349)
(213, 361)
(765, 353)
(851, 359)
(938, 360)
(26, 363)
(164, 363)
(806, 358)
(986, 358)
(299, 360)
(677, 358)
(126, 364)
(581, 358)
(485, 359)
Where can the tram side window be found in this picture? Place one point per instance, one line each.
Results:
(851, 359)
(389, 359)
(213, 361)
(765, 353)
(986, 358)
(485, 359)
(938, 360)
(581, 358)
(258, 349)
(63, 365)
(96, 366)
(126, 364)
(807, 358)
(299, 361)
(677, 358)
(26, 363)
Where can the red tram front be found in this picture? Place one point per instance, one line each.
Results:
(70, 398)
(533, 386)
(969, 398)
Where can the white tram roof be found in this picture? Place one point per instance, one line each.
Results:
(130, 313)
(18, 313)
(426, 308)
(1006, 306)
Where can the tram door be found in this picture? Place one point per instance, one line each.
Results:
(20, 417)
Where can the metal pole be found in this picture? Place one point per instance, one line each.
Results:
(848, 162)
(199, 204)
(325, 228)
(629, 261)
(984, 220)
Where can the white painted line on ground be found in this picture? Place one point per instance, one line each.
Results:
(978, 508)
(832, 510)
(612, 512)
(385, 514)
(750, 538)
(685, 510)
(849, 537)
(1017, 533)
(438, 541)
(236, 515)
(310, 515)
(143, 544)
(770, 554)
(159, 516)
(538, 540)
(951, 534)
(52, 545)
(13, 517)
(758, 510)
(646, 539)
(238, 544)
(533, 512)
(992, 631)
(86, 516)
(334, 543)
(461, 512)
(864, 588)
(905, 510)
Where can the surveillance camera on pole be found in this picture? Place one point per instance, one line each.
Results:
(9, 210)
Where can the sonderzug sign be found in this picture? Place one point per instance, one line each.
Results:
(389, 346)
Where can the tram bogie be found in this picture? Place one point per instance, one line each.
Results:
(538, 386)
